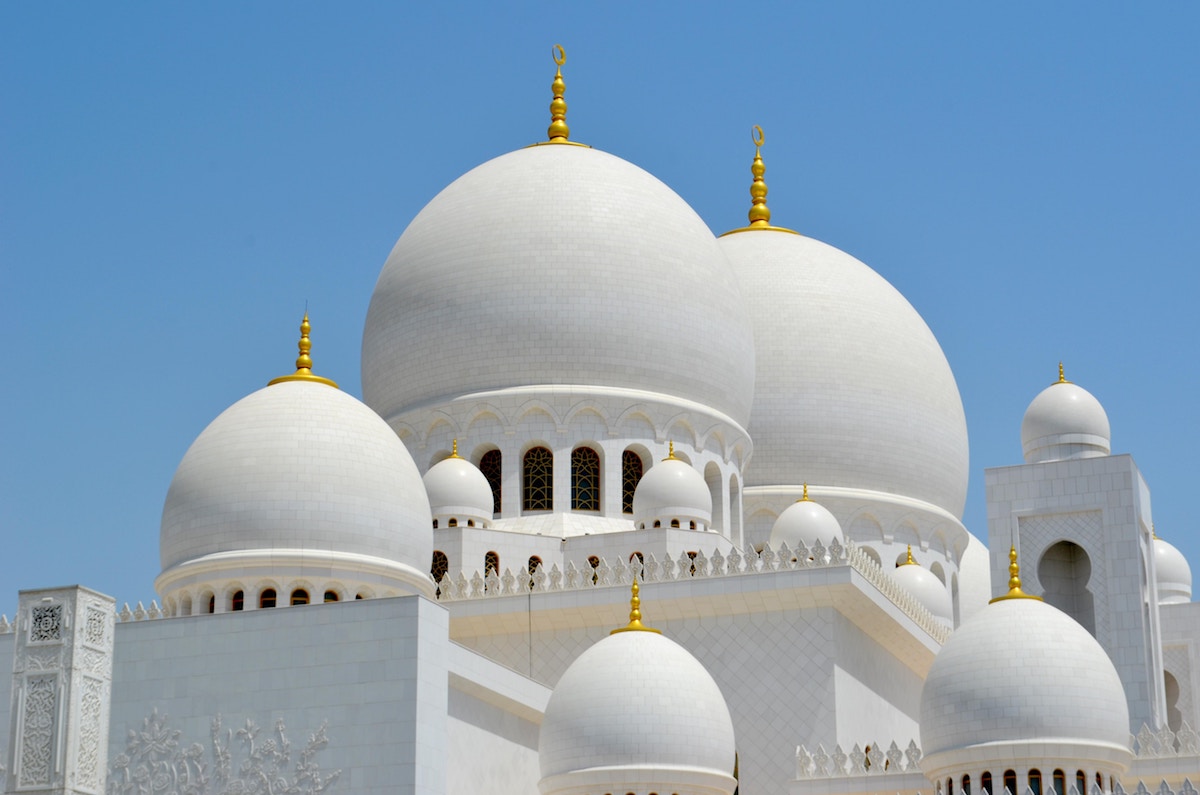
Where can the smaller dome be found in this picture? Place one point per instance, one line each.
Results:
(805, 522)
(673, 494)
(636, 712)
(1173, 573)
(458, 491)
(927, 588)
(1018, 676)
(1064, 421)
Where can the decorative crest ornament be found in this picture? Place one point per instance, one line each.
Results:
(635, 614)
(1062, 378)
(909, 561)
(454, 450)
(1014, 580)
(804, 496)
(671, 451)
(760, 214)
(303, 361)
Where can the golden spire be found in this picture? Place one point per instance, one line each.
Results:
(635, 614)
(558, 130)
(454, 450)
(910, 561)
(804, 497)
(1153, 532)
(1062, 378)
(303, 361)
(760, 214)
(670, 451)
(1014, 580)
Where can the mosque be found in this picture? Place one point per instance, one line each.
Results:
(627, 508)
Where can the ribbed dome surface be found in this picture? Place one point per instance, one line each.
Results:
(807, 522)
(297, 466)
(1173, 574)
(1064, 421)
(557, 265)
(635, 708)
(672, 489)
(852, 389)
(456, 485)
(1021, 670)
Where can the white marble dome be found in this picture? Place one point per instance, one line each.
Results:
(458, 490)
(926, 588)
(672, 491)
(560, 265)
(1017, 679)
(636, 713)
(1173, 574)
(805, 522)
(299, 470)
(1064, 421)
(852, 388)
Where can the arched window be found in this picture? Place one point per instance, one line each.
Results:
(358, 596)
(212, 603)
(949, 786)
(267, 598)
(1035, 781)
(674, 523)
(631, 474)
(657, 523)
(585, 479)
(299, 597)
(692, 525)
(489, 465)
(491, 563)
(238, 603)
(985, 784)
(331, 596)
(439, 567)
(966, 785)
(1010, 781)
(1060, 782)
(1081, 782)
(452, 522)
(1064, 572)
(537, 480)
(435, 524)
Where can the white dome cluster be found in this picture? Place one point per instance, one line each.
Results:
(673, 495)
(636, 713)
(1064, 421)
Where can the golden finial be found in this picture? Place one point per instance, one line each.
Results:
(670, 451)
(635, 614)
(558, 131)
(454, 449)
(804, 496)
(1153, 532)
(1062, 378)
(909, 561)
(303, 361)
(1014, 580)
(760, 214)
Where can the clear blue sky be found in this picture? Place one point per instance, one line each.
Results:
(176, 180)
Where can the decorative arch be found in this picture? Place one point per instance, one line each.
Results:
(633, 466)
(491, 563)
(634, 422)
(936, 570)
(680, 428)
(585, 478)
(439, 566)
(491, 464)
(534, 408)
(715, 482)
(441, 422)
(865, 527)
(537, 479)
(582, 413)
(1064, 571)
(871, 553)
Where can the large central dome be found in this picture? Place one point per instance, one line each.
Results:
(557, 264)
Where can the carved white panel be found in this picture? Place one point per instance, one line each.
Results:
(88, 759)
(37, 730)
(45, 623)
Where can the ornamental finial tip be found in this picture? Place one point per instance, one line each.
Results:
(454, 449)
(635, 613)
(304, 360)
(670, 451)
(1014, 580)
(804, 496)
(910, 561)
(760, 215)
(1062, 378)
(558, 130)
